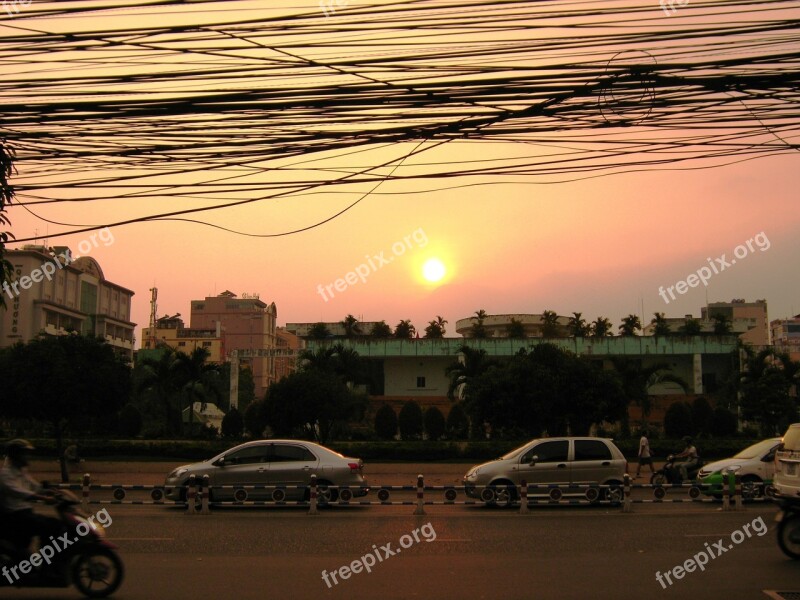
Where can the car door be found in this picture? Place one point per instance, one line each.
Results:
(246, 466)
(545, 462)
(593, 462)
(291, 465)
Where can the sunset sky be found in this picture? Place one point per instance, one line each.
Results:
(601, 246)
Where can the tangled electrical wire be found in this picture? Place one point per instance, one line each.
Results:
(210, 105)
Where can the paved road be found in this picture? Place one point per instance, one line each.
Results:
(554, 552)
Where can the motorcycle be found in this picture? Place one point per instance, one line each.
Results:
(90, 562)
(788, 519)
(670, 473)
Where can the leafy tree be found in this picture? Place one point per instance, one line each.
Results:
(319, 331)
(350, 325)
(461, 372)
(63, 381)
(198, 380)
(702, 416)
(386, 422)
(337, 359)
(766, 389)
(312, 401)
(678, 420)
(404, 330)
(722, 324)
(637, 380)
(691, 327)
(434, 423)
(6, 196)
(661, 325)
(457, 423)
(157, 389)
(577, 326)
(435, 328)
(233, 424)
(601, 327)
(130, 421)
(630, 325)
(380, 330)
(723, 423)
(410, 421)
(478, 329)
(255, 419)
(550, 326)
(515, 329)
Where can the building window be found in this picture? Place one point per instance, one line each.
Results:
(420, 382)
(206, 344)
(181, 343)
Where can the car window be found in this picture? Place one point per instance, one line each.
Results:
(246, 456)
(286, 453)
(556, 451)
(591, 450)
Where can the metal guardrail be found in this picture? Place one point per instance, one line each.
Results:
(199, 493)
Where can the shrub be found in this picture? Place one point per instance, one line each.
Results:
(457, 423)
(410, 421)
(386, 423)
(678, 420)
(130, 421)
(702, 416)
(233, 424)
(434, 423)
(723, 423)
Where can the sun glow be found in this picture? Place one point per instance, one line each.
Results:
(433, 270)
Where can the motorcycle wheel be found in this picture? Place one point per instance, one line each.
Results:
(98, 572)
(789, 535)
(659, 478)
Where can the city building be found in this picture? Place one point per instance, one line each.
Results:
(754, 313)
(786, 336)
(170, 331)
(286, 340)
(336, 329)
(52, 294)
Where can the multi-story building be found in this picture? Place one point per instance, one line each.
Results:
(336, 329)
(786, 336)
(753, 313)
(285, 365)
(496, 326)
(52, 294)
(170, 331)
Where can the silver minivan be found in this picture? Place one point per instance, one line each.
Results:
(787, 464)
(571, 462)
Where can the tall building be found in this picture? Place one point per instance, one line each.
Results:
(52, 294)
(170, 331)
(786, 336)
(245, 323)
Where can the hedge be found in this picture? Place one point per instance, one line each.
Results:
(412, 451)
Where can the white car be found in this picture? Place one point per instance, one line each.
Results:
(755, 466)
(787, 476)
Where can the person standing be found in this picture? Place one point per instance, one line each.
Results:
(645, 458)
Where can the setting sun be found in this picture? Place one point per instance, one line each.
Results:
(433, 270)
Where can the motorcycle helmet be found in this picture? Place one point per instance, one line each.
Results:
(18, 450)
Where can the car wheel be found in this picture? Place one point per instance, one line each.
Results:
(505, 493)
(326, 495)
(752, 487)
(789, 536)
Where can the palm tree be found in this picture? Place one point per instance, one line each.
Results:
(550, 326)
(637, 380)
(404, 330)
(462, 372)
(722, 324)
(478, 329)
(515, 329)
(691, 327)
(577, 326)
(198, 380)
(661, 325)
(766, 383)
(319, 331)
(350, 325)
(380, 330)
(435, 328)
(601, 327)
(157, 377)
(630, 325)
(338, 359)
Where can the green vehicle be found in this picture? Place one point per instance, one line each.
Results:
(755, 466)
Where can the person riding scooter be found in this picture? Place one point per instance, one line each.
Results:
(692, 458)
(18, 492)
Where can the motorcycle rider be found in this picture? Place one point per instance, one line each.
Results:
(690, 453)
(18, 492)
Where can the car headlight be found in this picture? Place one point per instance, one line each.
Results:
(177, 473)
(732, 469)
(472, 474)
